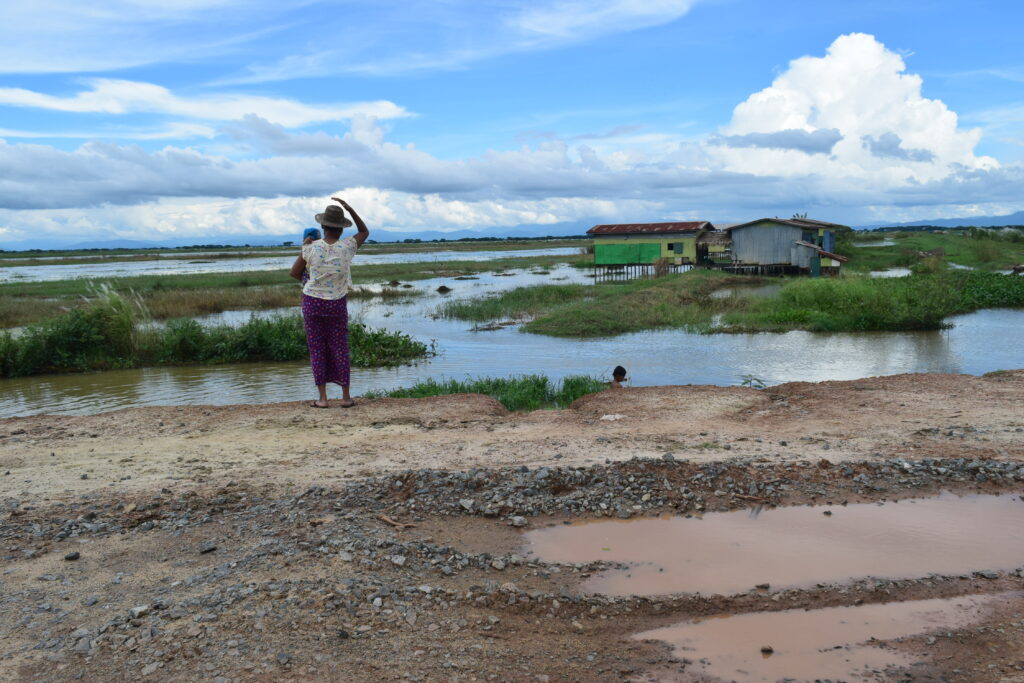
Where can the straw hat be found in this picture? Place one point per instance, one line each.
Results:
(333, 217)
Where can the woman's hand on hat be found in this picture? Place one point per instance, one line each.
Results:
(342, 202)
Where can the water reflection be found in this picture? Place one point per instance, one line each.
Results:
(891, 272)
(732, 552)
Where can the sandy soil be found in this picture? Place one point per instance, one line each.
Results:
(260, 548)
(910, 416)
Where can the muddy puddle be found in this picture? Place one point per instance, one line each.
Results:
(733, 552)
(835, 643)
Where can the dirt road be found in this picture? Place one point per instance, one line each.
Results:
(272, 541)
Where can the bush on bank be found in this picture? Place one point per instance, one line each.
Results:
(112, 332)
(919, 302)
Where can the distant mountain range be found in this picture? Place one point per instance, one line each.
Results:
(379, 235)
(972, 221)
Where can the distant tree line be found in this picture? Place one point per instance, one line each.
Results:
(249, 246)
(939, 228)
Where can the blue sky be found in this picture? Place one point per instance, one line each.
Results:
(143, 119)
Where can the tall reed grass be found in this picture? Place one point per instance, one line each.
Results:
(922, 301)
(112, 331)
(527, 392)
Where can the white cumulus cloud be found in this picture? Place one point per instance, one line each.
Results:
(861, 89)
(382, 209)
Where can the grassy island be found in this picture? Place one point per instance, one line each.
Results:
(854, 303)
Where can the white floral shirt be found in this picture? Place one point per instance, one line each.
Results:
(330, 268)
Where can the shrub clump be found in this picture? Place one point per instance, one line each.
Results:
(527, 392)
(919, 302)
(114, 331)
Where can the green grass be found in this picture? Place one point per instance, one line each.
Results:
(979, 249)
(678, 301)
(921, 301)
(146, 284)
(604, 310)
(857, 304)
(528, 392)
(110, 333)
(514, 304)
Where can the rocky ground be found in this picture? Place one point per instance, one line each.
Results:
(385, 542)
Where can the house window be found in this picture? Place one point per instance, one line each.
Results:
(670, 246)
(675, 247)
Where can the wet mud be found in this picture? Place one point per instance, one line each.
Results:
(389, 542)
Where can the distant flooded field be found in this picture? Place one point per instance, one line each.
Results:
(187, 264)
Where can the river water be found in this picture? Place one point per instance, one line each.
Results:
(183, 266)
(978, 342)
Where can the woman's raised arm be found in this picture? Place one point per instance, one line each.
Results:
(360, 225)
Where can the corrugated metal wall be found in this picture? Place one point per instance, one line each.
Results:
(764, 243)
(801, 255)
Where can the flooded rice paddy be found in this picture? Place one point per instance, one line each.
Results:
(656, 357)
(181, 265)
(794, 547)
(835, 643)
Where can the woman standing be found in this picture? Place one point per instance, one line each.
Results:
(324, 306)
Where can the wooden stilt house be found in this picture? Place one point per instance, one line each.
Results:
(785, 245)
(629, 250)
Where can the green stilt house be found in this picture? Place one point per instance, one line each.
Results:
(634, 249)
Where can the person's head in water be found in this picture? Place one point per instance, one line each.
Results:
(618, 376)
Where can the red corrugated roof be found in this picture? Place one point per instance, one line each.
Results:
(645, 228)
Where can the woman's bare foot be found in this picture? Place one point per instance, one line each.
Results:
(318, 404)
(347, 403)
